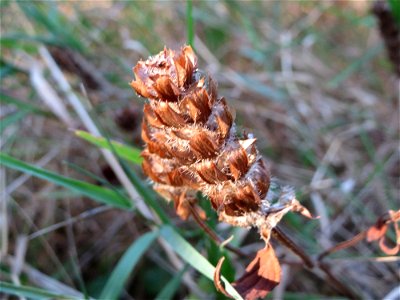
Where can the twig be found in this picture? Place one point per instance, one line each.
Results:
(346, 244)
(285, 240)
(289, 243)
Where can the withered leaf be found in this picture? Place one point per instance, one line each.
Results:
(219, 285)
(261, 276)
(378, 231)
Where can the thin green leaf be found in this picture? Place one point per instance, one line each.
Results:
(395, 8)
(4, 98)
(262, 89)
(11, 118)
(189, 23)
(7, 69)
(172, 286)
(126, 264)
(126, 152)
(354, 66)
(193, 257)
(31, 292)
(27, 42)
(95, 192)
(48, 15)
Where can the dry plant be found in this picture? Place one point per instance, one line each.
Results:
(192, 144)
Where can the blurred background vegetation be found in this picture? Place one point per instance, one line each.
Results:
(310, 79)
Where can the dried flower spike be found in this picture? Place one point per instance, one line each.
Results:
(192, 145)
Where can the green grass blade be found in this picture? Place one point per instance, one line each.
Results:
(95, 192)
(395, 8)
(172, 286)
(126, 264)
(12, 118)
(354, 66)
(4, 98)
(189, 23)
(126, 152)
(31, 292)
(193, 257)
(7, 69)
(48, 16)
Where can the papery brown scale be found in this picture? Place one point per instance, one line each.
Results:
(184, 69)
(190, 178)
(261, 179)
(142, 81)
(238, 163)
(168, 115)
(184, 156)
(203, 96)
(140, 88)
(203, 145)
(196, 108)
(246, 199)
(209, 172)
(151, 117)
(184, 133)
(146, 137)
(223, 119)
(166, 89)
(153, 143)
(175, 178)
(190, 57)
(181, 73)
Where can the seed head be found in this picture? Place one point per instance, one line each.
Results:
(192, 144)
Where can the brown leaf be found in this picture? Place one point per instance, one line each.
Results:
(219, 285)
(378, 231)
(261, 275)
(297, 207)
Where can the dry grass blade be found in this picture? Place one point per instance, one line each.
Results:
(49, 95)
(16, 268)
